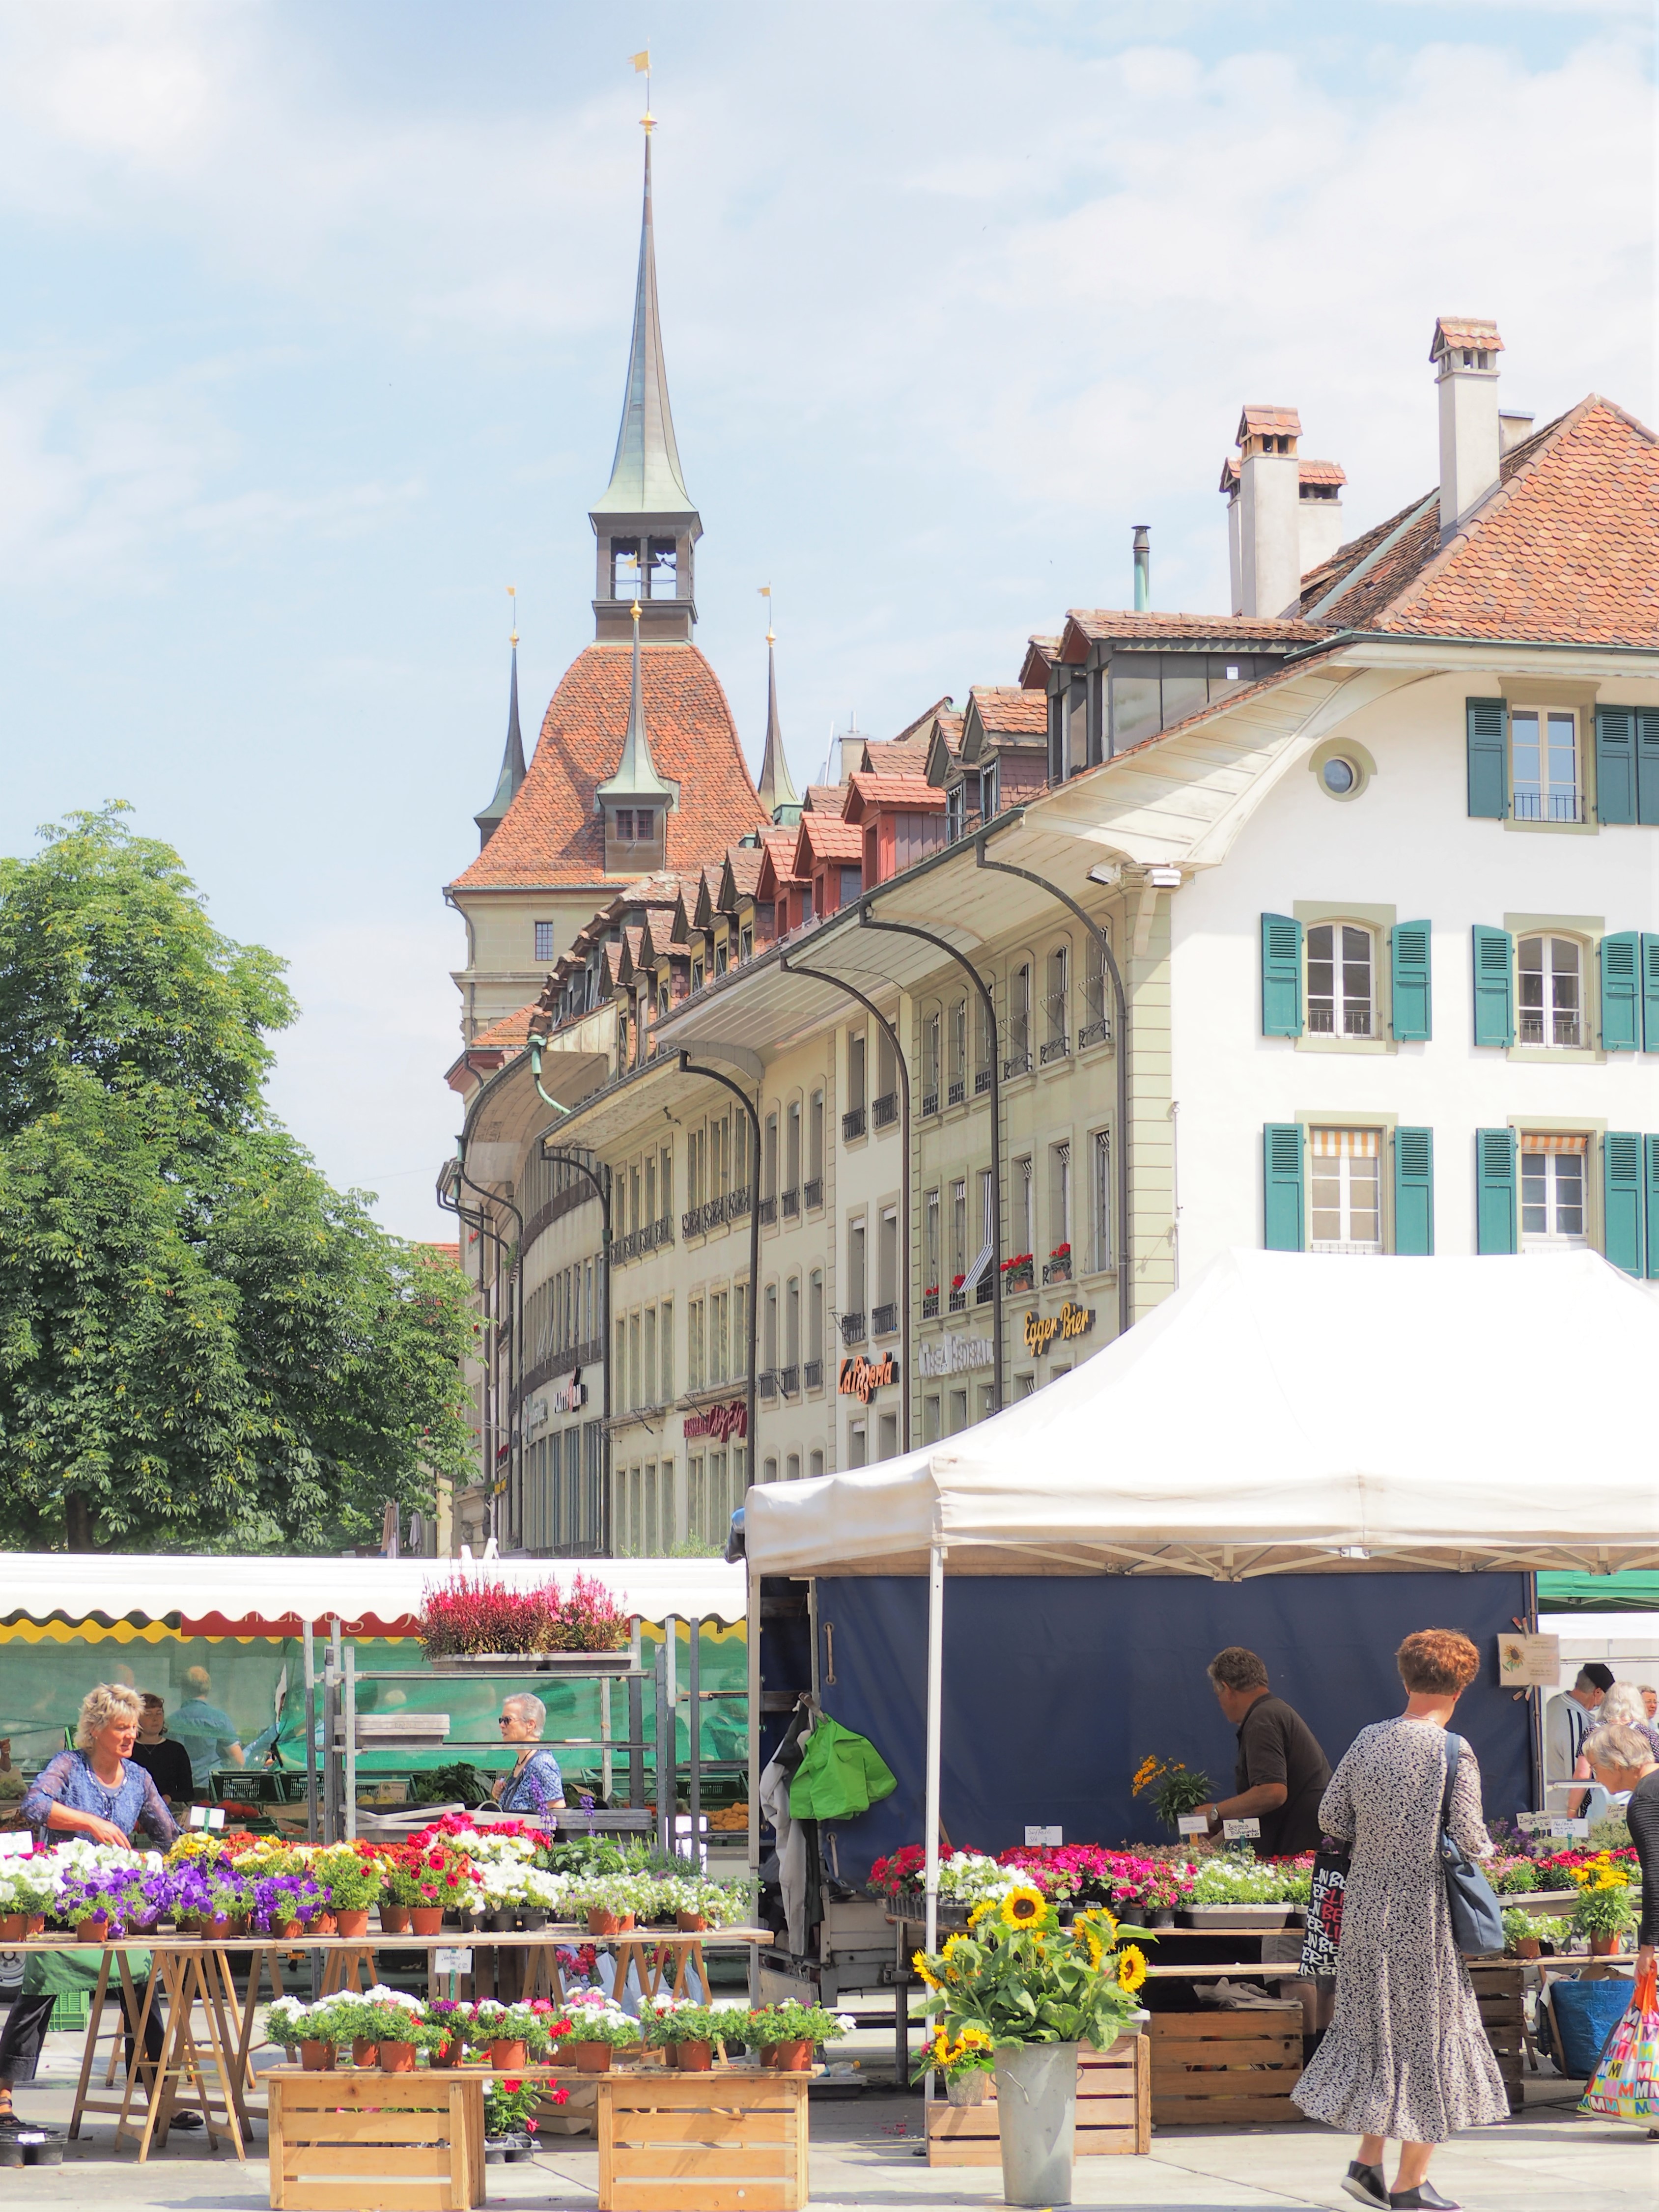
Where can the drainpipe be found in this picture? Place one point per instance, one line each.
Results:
(451, 1204)
(515, 1352)
(871, 1008)
(600, 1179)
(1119, 1055)
(866, 921)
(743, 1099)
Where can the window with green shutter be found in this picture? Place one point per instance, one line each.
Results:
(1621, 1011)
(1494, 985)
(1646, 764)
(1649, 992)
(1488, 745)
(1413, 1192)
(1281, 1176)
(1494, 1190)
(1281, 975)
(1615, 763)
(1651, 1202)
(1622, 1199)
(1409, 979)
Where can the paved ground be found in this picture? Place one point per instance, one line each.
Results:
(1544, 2160)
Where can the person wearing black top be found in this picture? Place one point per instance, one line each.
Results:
(1621, 1759)
(162, 1758)
(1281, 1773)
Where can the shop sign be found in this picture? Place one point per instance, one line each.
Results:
(570, 1395)
(951, 1355)
(861, 1378)
(1529, 1661)
(721, 1422)
(1071, 1321)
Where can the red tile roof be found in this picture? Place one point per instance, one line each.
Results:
(1466, 331)
(550, 834)
(511, 1028)
(906, 794)
(1083, 627)
(899, 756)
(824, 799)
(824, 837)
(918, 727)
(1007, 711)
(743, 865)
(1307, 472)
(1267, 422)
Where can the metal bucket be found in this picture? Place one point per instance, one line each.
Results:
(1037, 2116)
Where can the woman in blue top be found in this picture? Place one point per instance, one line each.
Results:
(97, 1791)
(535, 1785)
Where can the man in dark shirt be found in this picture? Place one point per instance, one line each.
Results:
(162, 1757)
(1281, 1773)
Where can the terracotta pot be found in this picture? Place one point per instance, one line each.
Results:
(508, 2055)
(694, 2058)
(238, 1923)
(426, 1920)
(13, 1927)
(394, 1919)
(789, 2057)
(450, 2054)
(353, 1923)
(316, 2057)
(289, 1927)
(601, 1922)
(364, 2053)
(693, 1923)
(37, 1923)
(397, 2059)
(593, 2057)
(1603, 1947)
(214, 1930)
(321, 1923)
(96, 1931)
(1529, 1946)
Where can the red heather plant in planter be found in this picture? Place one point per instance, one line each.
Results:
(466, 1617)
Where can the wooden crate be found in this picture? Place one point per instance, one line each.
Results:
(1114, 2111)
(731, 2141)
(376, 2142)
(1498, 1992)
(1228, 2069)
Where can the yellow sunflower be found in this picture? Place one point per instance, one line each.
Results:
(950, 1945)
(1131, 1966)
(1097, 1917)
(1023, 1905)
(1096, 1950)
(919, 1965)
(980, 1912)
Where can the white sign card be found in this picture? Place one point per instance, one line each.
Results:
(1551, 1824)
(1044, 1835)
(1194, 1824)
(1526, 1662)
(452, 1962)
(16, 1842)
(207, 1816)
(1237, 1831)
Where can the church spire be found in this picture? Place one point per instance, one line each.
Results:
(776, 787)
(513, 767)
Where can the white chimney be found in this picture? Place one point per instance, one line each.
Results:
(1513, 429)
(1320, 507)
(1465, 351)
(1264, 520)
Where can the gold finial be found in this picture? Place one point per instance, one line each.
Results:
(512, 595)
(634, 607)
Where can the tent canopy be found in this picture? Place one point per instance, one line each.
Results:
(1289, 1412)
(229, 1596)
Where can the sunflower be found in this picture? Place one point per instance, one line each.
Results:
(950, 1943)
(919, 1965)
(1131, 1966)
(1097, 1917)
(1023, 1905)
(1096, 1948)
(980, 1912)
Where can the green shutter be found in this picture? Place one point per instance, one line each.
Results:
(1646, 764)
(1621, 1195)
(1615, 763)
(1494, 1190)
(1650, 1225)
(1494, 985)
(1408, 947)
(1621, 1013)
(1649, 992)
(1281, 1175)
(1281, 975)
(1489, 767)
(1413, 1191)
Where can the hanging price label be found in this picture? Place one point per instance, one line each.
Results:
(1043, 1836)
(207, 1816)
(452, 1962)
(1572, 1828)
(16, 1842)
(1194, 1824)
(1237, 1831)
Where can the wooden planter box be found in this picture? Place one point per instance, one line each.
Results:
(730, 2141)
(1228, 2069)
(1498, 1990)
(1114, 2111)
(334, 2148)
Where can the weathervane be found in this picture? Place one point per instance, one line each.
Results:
(512, 595)
(641, 62)
(766, 593)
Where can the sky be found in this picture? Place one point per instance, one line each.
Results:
(316, 320)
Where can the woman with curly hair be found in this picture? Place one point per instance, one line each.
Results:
(1406, 2058)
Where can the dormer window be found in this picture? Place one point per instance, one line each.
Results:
(720, 959)
(696, 974)
(635, 825)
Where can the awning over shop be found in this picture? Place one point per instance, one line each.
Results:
(1616, 1593)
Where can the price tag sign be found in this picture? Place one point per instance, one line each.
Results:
(1237, 1831)
(1572, 1828)
(452, 1962)
(1194, 1824)
(16, 1842)
(1044, 1835)
(207, 1816)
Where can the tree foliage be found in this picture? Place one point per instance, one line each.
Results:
(202, 1344)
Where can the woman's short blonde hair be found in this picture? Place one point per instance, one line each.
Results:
(107, 1702)
(1437, 1662)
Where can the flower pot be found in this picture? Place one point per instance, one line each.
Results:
(968, 2089)
(1037, 2119)
(321, 1923)
(1603, 1945)
(238, 1923)
(353, 1923)
(693, 2057)
(1529, 1946)
(1164, 1916)
(593, 2057)
(96, 1931)
(37, 1923)
(450, 2054)
(530, 1917)
(316, 2057)
(216, 1927)
(693, 1923)
(394, 1920)
(426, 1920)
(508, 2056)
(508, 2149)
(498, 1924)
(601, 1922)
(13, 1927)
(364, 2053)
(289, 1927)
(792, 2058)
(397, 2059)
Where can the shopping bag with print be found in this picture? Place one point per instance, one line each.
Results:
(1625, 2084)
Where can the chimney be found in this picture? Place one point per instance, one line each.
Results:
(1512, 430)
(1465, 351)
(1264, 521)
(1319, 506)
(1143, 568)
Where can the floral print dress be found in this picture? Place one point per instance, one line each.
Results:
(1406, 2055)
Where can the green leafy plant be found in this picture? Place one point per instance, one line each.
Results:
(1519, 1927)
(1177, 1789)
(796, 2023)
(972, 2052)
(1604, 1908)
(1020, 1978)
(1519, 1876)
(509, 2105)
(681, 2019)
(354, 1883)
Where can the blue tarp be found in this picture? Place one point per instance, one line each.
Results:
(1056, 1688)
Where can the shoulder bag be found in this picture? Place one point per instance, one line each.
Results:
(1477, 1920)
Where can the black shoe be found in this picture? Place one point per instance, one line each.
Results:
(1365, 2185)
(14, 2124)
(188, 2121)
(1425, 2197)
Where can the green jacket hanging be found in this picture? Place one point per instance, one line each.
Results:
(840, 1775)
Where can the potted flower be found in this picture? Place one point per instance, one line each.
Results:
(353, 1884)
(596, 2026)
(314, 2030)
(967, 2067)
(688, 2030)
(1520, 1936)
(25, 1897)
(509, 2125)
(396, 2024)
(471, 1617)
(513, 2033)
(1605, 1909)
(1020, 1272)
(611, 1904)
(281, 1904)
(1177, 1789)
(1038, 1990)
(455, 2017)
(789, 2033)
(437, 1878)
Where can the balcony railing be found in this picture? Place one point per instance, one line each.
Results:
(741, 1199)
(647, 1239)
(982, 1081)
(701, 1218)
(851, 1124)
(789, 1382)
(884, 1112)
(768, 1211)
(1058, 1269)
(956, 1092)
(792, 1205)
(1321, 1019)
(958, 1301)
(814, 1374)
(1536, 1027)
(811, 1193)
(852, 1328)
(1017, 1063)
(929, 1103)
(1099, 1032)
(1058, 1048)
(929, 1304)
(883, 1321)
(766, 1383)
(1546, 806)
(982, 1290)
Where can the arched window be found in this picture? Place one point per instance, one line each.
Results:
(1341, 979)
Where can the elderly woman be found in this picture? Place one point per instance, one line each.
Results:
(1622, 1760)
(534, 1786)
(1623, 1706)
(1406, 2058)
(97, 1791)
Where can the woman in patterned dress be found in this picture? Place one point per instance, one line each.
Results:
(1406, 2058)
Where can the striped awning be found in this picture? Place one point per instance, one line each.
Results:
(1535, 1141)
(1359, 1144)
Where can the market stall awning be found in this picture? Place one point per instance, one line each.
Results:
(215, 1596)
(1289, 1412)
(1615, 1592)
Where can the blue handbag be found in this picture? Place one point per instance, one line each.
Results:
(1477, 1919)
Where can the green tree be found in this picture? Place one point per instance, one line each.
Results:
(202, 1344)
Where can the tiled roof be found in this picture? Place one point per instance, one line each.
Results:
(824, 799)
(511, 1028)
(1465, 331)
(822, 837)
(1007, 711)
(742, 864)
(900, 756)
(1267, 422)
(908, 793)
(918, 728)
(1084, 627)
(778, 868)
(550, 834)
(950, 728)
(1307, 472)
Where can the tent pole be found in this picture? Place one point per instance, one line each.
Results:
(935, 1716)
